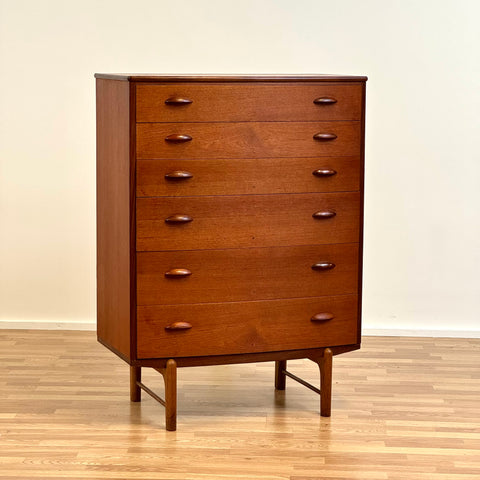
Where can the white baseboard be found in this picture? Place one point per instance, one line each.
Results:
(374, 332)
(48, 325)
(398, 332)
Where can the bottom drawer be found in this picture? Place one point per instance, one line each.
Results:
(245, 327)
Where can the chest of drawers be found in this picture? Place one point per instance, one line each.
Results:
(229, 222)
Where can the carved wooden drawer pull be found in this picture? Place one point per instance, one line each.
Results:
(325, 101)
(179, 326)
(324, 137)
(178, 218)
(178, 101)
(324, 172)
(178, 175)
(323, 215)
(322, 317)
(321, 266)
(178, 273)
(178, 138)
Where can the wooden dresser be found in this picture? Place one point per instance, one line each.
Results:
(229, 222)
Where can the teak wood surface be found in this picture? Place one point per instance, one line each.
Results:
(287, 102)
(199, 248)
(402, 409)
(114, 249)
(229, 78)
(247, 139)
(244, 274)
(247, 221)
(243, 327)
(248, 176)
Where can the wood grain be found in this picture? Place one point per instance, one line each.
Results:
(247, 102)
(215, 78)
(362, 214)
(135, 377)
(310, 353)
(246, 221)
(247, 176)
(325, 365)
(243, 327)
(113, 215)
(169, 374)
(248, 247)
(402, 409)
(247, 140)
(246, 274)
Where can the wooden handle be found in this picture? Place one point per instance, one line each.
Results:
(324, 101)
(179, 326)
(324, 137)
(320, 266)
(323, 215)
(178, 138)
(324, 172)
(178, 273)
(178, 175)
(178, 101)
(178, 218)
(322, 317)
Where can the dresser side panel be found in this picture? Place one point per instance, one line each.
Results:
(113, 216)
(362, 217)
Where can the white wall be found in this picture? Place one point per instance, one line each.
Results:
(422, 250)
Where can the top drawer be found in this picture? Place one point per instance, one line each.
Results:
(248, 102)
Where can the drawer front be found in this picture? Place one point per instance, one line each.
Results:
(190, 223)
(245, 327)
(247, 140)
(234, 275)
(248, 102)
(247, 176)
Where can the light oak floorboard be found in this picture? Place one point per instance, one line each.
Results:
(402, 408)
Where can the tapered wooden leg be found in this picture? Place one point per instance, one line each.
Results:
(325, 364)
(170, 378)
(135, 376)
(280, 377)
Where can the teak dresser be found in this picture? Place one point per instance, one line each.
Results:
(229, 222)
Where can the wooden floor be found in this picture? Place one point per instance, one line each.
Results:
(402, 408)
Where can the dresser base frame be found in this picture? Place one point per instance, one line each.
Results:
(322, 357)
(169, 374)
(325, 364)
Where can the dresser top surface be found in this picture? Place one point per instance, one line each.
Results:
(153, 77)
